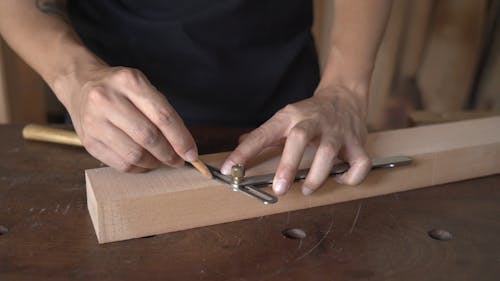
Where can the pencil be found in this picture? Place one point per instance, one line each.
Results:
(202, 168)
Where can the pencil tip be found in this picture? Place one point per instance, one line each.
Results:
(202, 168)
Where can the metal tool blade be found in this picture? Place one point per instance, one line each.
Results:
(251, 185)
(377, 163)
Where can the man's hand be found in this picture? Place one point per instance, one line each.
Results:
(125, 122)
(333, 120)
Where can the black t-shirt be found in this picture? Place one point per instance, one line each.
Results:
(220, 62)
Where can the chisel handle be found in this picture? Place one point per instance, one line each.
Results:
(48, 134)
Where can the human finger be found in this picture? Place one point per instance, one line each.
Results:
(158, 110)
(144, 134)
(297, 140)
(359, 162)
(321, 166)
(127, 148)
(253, 143)
(106, 155)
(243, 137)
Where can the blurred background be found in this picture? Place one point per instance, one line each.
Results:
(439, 61)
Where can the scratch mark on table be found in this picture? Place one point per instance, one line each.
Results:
(36, 224)
(356, 218)
(220, 236)
(57, 208)
(300, 245)
(318, 243)
(73, 188)
(433, 174)
(14, 150)
(67, 208)
(20, 180)
(397, 225)
(220, 274)
(276, 272)
(42, 210)
(31, 209)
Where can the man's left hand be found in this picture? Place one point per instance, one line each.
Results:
(333, 120)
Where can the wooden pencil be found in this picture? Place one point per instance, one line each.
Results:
(202, 168)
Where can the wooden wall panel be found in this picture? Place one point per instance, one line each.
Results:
(452, 53)
(22, 96)
(4, 99)
(488, 95)
(386, 64)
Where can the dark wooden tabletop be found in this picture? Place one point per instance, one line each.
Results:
(46, 232)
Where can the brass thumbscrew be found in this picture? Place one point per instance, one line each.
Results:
(237, 174)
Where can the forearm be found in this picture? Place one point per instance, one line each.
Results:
(357, 30)
(40, 33)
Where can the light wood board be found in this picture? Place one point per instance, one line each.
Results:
(4, 101)
(450, 60)
(124, 206)
(386, 63)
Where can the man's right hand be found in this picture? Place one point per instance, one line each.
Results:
(120, 117)
(125, 122)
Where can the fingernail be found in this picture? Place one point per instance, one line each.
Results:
(179, 163)
(226, 168)
(280, 186)
(191, 155)
(306, 190)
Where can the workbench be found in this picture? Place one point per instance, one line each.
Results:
(46, 232)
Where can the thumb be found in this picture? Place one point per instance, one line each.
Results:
(253, 143)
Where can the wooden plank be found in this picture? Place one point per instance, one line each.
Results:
(124, 206)
(4, 100)
(452, 54)
(488, 92)
(415, 38)
(386, 63)
(420, 118)
(21, 90)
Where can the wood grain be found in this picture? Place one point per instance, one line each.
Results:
(124, 206)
